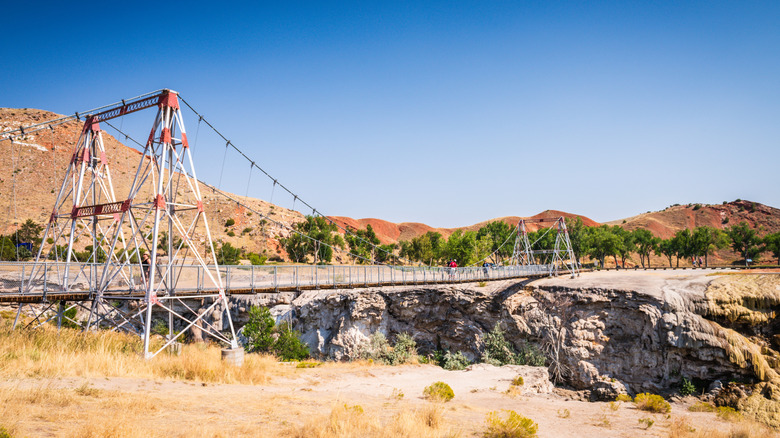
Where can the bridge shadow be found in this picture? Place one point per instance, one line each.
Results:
(501, 297)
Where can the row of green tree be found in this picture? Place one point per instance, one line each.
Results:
(316, 238)
(605, 241)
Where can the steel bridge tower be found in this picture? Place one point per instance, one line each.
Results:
(554, 260)
(111, 280)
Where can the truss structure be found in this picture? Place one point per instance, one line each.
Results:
(92, 255)
(559, 258)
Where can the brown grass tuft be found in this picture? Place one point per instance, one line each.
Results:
(45, 352)
(346, 421)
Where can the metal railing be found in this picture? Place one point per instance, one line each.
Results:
(52, 277)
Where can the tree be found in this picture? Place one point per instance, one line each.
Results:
(683, 244)
(228, 254)
(316, 237)
(578, 235)
(625, 245)
(428, 248)
(772, 244)
(362, 244)
(602, 243)
(461, 246)
(645, 243)
(386, 253)
(707, 240)
(494, 235)
(666, 248)
(745, 241)
(7, 248)
(29, 232)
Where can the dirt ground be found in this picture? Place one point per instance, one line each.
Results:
(177, 408)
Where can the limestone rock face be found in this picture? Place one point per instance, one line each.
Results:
(635, 340)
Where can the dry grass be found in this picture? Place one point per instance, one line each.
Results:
(681, 428)
(46, 352)
(352, 421)
(34, 408)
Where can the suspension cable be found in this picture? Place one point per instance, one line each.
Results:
(512, 233)
(264, 216)
(276, 182)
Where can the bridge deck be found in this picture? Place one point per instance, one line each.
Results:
(51, 296)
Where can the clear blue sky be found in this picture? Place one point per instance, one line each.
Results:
(446, 113)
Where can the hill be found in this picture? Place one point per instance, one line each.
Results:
(668, 221)
(32, 168)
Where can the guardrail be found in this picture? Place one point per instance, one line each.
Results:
(683, 268)
(81, 277)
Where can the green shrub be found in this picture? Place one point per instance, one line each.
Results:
(687, 387)
(518, 381)
(498, 351)
(256, 259)
(652, 403)
(439, 392)
(454, 361)
(231, 233)
(510, 425)
(265, 336)
(288, 345)
(404, 350)
(246, 230)
(159, 327)
(4, 433)
(648, 422)
(624, 398)
(230, 222)
(379, 350)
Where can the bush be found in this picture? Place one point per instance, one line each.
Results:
(231, 233)
(498, 351)
(624, 398)
(246, 230)
(379, 350)
(518, 381)
(513, 426)
(687, 387)
(439, 392)
(230, 222)
(648, 422)
(257, 259)
(228, 254)
(404, 350)
(652, 403)
(265, 336)
(288, 345)
(456, 361)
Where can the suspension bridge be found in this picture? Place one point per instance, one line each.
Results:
(117, 288)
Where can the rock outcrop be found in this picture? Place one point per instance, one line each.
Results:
(640, 334)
